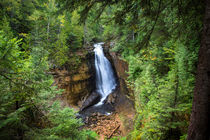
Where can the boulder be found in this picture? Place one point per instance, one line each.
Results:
(91, 100)
(110, 99)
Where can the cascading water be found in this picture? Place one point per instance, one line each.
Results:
(105, 80)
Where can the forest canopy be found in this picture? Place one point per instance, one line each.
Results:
(159, 40)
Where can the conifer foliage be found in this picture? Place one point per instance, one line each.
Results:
(33, 39)
(159, 39)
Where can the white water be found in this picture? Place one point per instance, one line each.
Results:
(105, 80)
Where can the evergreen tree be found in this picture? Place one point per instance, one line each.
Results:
(160, 41)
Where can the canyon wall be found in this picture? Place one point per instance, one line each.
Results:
(77, 82)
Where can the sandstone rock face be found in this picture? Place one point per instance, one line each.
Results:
(77, 83)
(121, 70)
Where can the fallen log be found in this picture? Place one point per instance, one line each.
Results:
(113, 131)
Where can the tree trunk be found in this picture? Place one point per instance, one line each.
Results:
(200, 118)
(48, 30)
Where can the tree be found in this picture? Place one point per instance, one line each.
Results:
(200, 120)
(17, 13)
(146, 24)
(25, 85)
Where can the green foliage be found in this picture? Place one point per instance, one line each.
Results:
(10, 55)
(118, 138)
(26, 91)
(64, 126)
(158, 39)
(48, 32)
(26, 95)
(74, 31)
(16, 13)
(22, 80)
(163, 101)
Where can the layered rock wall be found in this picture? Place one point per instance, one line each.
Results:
(77, 83)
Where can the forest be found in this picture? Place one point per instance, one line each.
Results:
(51, 79)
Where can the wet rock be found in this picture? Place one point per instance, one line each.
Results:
(111, 98)
(91, 100)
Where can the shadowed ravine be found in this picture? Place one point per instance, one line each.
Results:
(98, 90)
(107, 111)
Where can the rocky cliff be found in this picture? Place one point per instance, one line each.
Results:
(77, 82)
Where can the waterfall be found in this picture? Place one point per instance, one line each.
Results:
(105, 80)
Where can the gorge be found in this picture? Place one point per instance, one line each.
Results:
(99, 87)
(149, 80)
